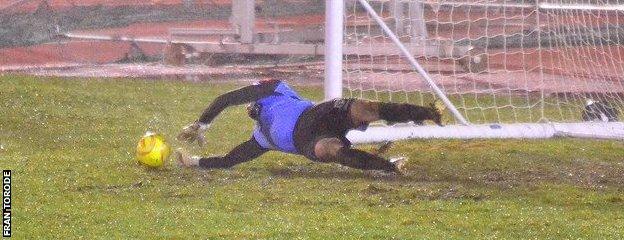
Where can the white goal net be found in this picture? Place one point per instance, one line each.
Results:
(515, 66)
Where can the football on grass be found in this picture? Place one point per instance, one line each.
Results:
(152, 150)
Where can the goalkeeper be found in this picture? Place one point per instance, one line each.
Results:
(289, 123)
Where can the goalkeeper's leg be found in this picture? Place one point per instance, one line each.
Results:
(332, 149)
(363, 112)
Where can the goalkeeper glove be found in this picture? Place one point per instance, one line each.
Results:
(437, 108)
(194, 132)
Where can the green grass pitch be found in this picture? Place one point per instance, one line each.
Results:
(70, 144)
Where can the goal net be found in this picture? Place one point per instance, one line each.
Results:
(511, 69)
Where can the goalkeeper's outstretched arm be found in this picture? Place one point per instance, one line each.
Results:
(195, 131)
(244, 152)
(237, 97)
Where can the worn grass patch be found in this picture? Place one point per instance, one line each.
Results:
(71, 146)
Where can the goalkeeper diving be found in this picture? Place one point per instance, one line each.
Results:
(288, 123)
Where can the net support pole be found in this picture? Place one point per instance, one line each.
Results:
(334, 15)
(397, 11)
(244, 18)
(418, 27)
(413, 62)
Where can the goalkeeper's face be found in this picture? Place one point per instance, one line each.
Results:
(253, 110)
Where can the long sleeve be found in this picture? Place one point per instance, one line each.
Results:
(244, 152)
(237, 97)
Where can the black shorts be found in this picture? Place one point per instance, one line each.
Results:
(329, 119)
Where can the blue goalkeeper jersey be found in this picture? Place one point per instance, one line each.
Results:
(278, 116)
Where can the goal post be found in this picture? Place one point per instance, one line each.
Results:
(334, 13)
(504, 69)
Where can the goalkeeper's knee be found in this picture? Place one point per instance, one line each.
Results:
(327, 149)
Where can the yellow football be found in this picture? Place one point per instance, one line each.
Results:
(152, 150)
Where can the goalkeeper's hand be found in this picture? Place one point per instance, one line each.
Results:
(194, 132)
